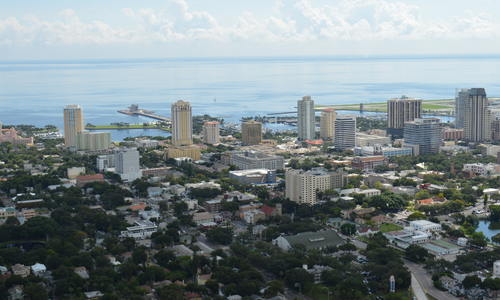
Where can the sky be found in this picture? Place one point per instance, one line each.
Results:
(91, 29)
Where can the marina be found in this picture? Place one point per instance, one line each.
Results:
(134, 110)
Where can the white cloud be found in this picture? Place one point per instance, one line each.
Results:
(292, 20)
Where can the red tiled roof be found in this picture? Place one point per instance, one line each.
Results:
(425, 201)
(90, 177)
(5, 276)
(267, 210)
(191, 295)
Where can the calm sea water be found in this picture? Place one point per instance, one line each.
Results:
(35, 92)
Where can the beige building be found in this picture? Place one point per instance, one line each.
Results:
(211, 133)
(6, 212)
(401, 110)
(366, 140)
(192, 152)
(93, 141)
(28, 213)
(327, 124)
(73, 124)
(477, 125)
(182, 123)
(301, 187)
(75, 172)
(251, 132)
(21, 270)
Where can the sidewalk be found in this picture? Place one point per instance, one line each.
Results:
(417, 288)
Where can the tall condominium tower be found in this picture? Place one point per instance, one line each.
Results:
(251, 132)
(461, 96)
(306, 118)
(423, 135)
(211, 133)
(73, 124)
(301, 186)
(182, 123)
(327, 124)
(477, 126)
(345, 132)
(401, 110)
(127, 164)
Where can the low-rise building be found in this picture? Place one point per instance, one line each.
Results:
(142, 229)
(93, 295)
(424, 225)
(177, 189)
(82, 180)
(368, 163)
(154, 191)
(367, 192)
(191, 203)
(6, 212)
(367, 231)
(387, 151)
(21, 270)
(430, 202)
(252, 205)
(251, 176)
(28, 213)
(482, 169)
(363, 140)
(74, 172)
(38, 269)
(203, 217)
(213, 205)
(316, 271)
(461, 241)
(82, 271)
(251, 216)
(16, 292)
(312, 240)
(345, 214)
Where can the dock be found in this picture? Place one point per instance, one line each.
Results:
(134, 110)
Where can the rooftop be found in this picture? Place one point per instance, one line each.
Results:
(315, 239)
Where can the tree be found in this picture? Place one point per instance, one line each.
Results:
(417, 253)
(35, 292)
(471, 281)
(273, 288)
(300, 276)
(221, 235)
(485, 200)
(416, 216)
(180, 207)
(348, 229)
(496, 238)
(495, 213)
(213, 286)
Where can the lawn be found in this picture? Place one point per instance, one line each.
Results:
(434, 106)
(389, 227)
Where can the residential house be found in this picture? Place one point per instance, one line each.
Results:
(258, 229)
(447, 281)
(38, 269)
(112, 260)
(93, 295)
(21, 270)
(234, 297)
(345, 214)
(16, 292)
(272, 211)
(154, 191)
(82, 271)
(202, 279)
(359, 221)
(475, 293)
(492, 295)
(192, 296)
(3, 270)
(430, 202)
(367, 231)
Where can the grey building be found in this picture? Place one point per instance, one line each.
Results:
(423, 136)
(401, 110)
(477, 125)
(254, 176)
(250, 159)
(345, 132)
(306, 118)
(461, 96)
(127, 164)
(312, 240)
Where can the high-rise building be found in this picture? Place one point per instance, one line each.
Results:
(306, 118)
(345, 132)
(251, 132)
(86, 140)
(327, 124)
(211, 133)
(477, 126)
(423, 136)
(461, 96)
(73, 124)
(182, 123)
(301, 186)
(105, 161)
(401, 110)
(127, 164)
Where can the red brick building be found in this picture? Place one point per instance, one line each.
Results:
(452, 134)
(368, 163)
(82, 180)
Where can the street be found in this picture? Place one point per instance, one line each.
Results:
(424, 279)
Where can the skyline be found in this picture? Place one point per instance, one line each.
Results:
(183, 28)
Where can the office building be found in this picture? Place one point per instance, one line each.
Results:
(193, 152)
(85, 140)
(489, 150)
(73, 124)
(477, 126)
(364, 140)
(401, 110)
(461, 96)
(146, 143)
(182, 123)
(495, 129)
(105, 161)
(423, 136)
(327, 124)
(388, 151)
(254, 176)
(251, 132)
(301, 186)
(83, 180)
(306, 118)
(127, 164)
(211, 133)
(345, 132)
(368, 163)
(250, 159)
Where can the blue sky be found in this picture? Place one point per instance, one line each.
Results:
(183, 28)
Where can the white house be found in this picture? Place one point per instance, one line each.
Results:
(496, 268)
(38, 269)
(191, 203)
(143, 229)
(367, 231)
(424, 225)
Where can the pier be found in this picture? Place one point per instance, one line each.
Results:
(134, 110)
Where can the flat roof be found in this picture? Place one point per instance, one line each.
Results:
(315, 239)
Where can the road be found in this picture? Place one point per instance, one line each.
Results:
(424, 278)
